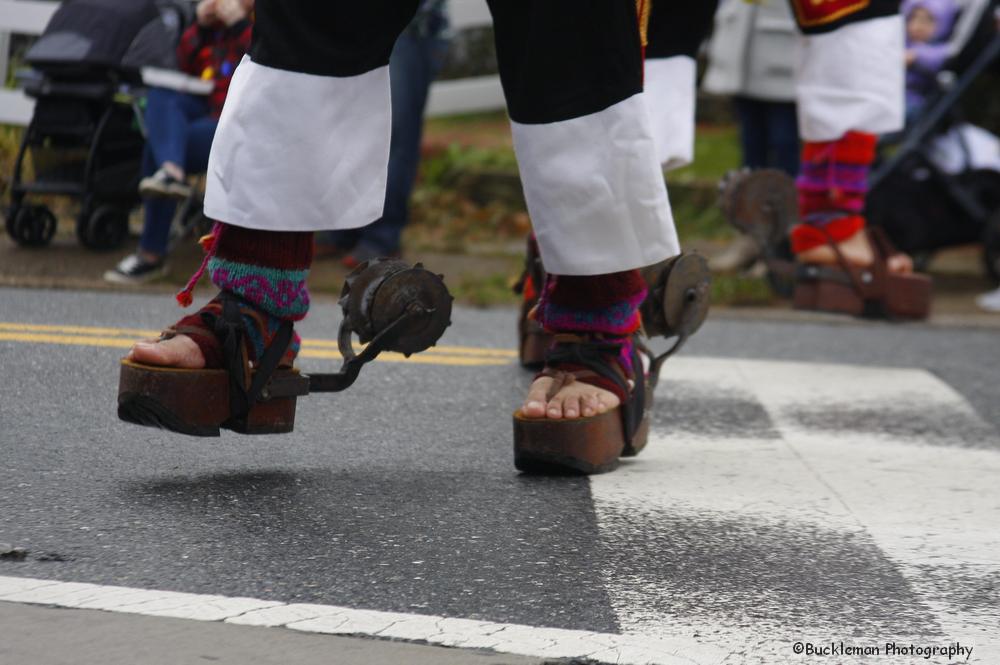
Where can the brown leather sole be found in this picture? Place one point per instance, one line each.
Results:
(905, 297)
(196, 401)
(577, 446)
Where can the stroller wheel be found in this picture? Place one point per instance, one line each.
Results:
(103, 229)
(991, 247)
(32, 226)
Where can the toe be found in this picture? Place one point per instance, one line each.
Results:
(607, 401)
(588, 405)
(571, 406)
(534, 403)
(554, 410)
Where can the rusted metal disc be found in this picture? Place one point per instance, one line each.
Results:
(727, 190)
(359, 290)
(676, 285)
(762, 203)
(420, 292)
(380, 291)
(686, 294)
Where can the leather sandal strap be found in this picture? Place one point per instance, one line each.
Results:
(846, 266)
(174, 331)
(245, 387)
(592, 355)
(872, 290)
(560, 380)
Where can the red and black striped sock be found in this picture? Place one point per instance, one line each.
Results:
(832, 185)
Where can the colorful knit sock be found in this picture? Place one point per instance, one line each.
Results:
(607, 305)
(832, 185)
(266, 271)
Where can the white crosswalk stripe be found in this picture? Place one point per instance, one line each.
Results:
(872, 515)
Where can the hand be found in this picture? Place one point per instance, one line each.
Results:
(230, 12)
(206, 13)
(911, 57)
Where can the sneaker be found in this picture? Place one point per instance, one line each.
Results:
(989, 301)
(163, 185)
(133, 269)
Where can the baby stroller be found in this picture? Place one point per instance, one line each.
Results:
(922, 199)
(86, 135)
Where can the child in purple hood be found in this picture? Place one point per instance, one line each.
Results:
(928, 26)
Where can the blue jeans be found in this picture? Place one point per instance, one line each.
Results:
(180, 130)
(414, 64)
(769, 134)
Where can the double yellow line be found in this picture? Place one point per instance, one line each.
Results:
(123, 338)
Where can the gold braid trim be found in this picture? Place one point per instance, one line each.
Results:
(643, 8)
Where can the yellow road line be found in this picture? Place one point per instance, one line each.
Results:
(74, 340)
(447, 350)
(123, 338)
(139, 333)
(420, 358)
(82, 330)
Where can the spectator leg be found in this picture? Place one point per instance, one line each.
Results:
(169, 115)
(415, 62)
(783, 136)
(753, 131)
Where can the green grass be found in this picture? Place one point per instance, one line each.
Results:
(716, 151)
(443, 169)
(697, 213)
(460, 169)
(444, 122)
(741, 291)
(485, 291)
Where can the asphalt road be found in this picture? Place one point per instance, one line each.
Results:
(400, 495)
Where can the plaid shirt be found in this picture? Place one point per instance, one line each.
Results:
(213, 53)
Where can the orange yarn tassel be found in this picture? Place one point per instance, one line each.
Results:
(209, 242)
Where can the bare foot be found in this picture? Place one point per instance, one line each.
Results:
(857, 251)
(179, 351)
(574, 400)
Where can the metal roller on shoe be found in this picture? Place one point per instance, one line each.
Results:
(763, 204)
(677, 303)
(380, 292)
(678, 298)
(389, 305)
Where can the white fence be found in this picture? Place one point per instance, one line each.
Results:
(30, 17)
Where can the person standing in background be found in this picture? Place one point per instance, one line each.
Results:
(750, 59)
(417, 59)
